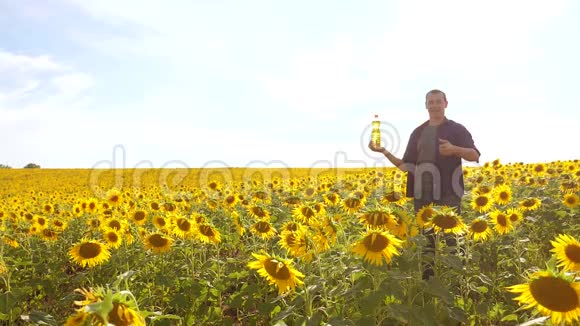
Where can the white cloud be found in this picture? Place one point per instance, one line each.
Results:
(73, 83)
(25, 63)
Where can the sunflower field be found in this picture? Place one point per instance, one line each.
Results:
(287, 247)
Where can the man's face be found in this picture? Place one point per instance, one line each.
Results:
(436, 105)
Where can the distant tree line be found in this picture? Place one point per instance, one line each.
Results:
(27, 166)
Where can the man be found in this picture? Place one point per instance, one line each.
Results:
(433, 160)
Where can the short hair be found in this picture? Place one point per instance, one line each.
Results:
(435, 91)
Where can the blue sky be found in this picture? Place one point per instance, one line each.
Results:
(280, 83)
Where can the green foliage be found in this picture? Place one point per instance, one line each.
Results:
(32, 166)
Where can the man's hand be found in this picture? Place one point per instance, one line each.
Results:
(374, 148)
(446, 148)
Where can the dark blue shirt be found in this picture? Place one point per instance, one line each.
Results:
(449, 180)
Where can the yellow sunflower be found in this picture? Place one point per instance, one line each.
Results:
(157, 242)
(294, 242)
(113, 223)
(552, 295)
(394, 197)
(9, 240)
(114, 197)
(207, 233)
(78, 319)
(112, 237)
(331, 199)
(258, 212)
(230, 201)
(378, 218)
(305, 213)
(122, 314)
(481, 203)
(89, 253)
(292, 201)
(183, 227)
(402, 221)
(59, 224)
(424, 215)
(502, 194)
(277, 271)
(49, 235)
(352, 204)
(447, 220)
(139, 217)
(482, 190)
(236, 220)
(539, 169)
(515, 215)
(567, 250)
(376, 245)
(501, 221)
(293, 226)
(264, 229)
(160, 222)
(530, 204)
(479, 229)
(571, 200)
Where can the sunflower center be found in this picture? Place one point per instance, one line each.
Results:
(114, 224)
(573, 252)
(139, 216)
(307, 212)
(555, 294)
(92, 206)
(392, 197)
(352, 202)
(161, 221)
(503, 195)
(479, 226)
(481, 201)
(157, 240)
(445, 221)
(263, 227)
(291, 240)
(277, 269)
(427, 214)
(528, 203)
(377, 218)
(258, 211)
(48, 233)
(206, 230)
(230, 200)
(376, 242)
(514, 217)
(571, 200)
(112, 236)
(114, 199)
(183, 225)
(89, 250)
(57, 223)
(501, 220)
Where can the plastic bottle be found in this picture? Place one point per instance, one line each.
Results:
(376, 133)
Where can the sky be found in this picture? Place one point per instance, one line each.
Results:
(185, 83)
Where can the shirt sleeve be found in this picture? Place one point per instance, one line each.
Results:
(465, 140)
(410, 155)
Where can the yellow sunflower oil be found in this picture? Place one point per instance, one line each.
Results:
(376, 133)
